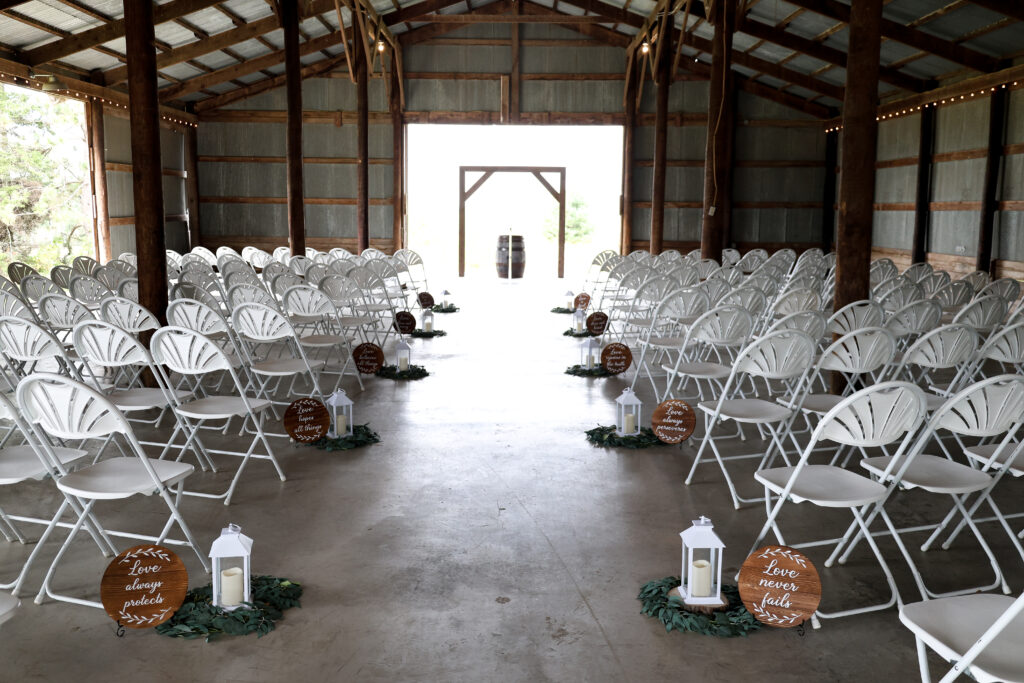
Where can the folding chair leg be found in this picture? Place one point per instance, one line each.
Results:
(45, 590)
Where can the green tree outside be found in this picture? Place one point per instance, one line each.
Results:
(577, 222)
(45, 216)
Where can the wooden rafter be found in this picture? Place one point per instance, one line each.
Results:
(1011, 8)
(308, 71)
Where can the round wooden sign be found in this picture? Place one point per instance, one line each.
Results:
(369, 357)
(673, 421)
(616, 358)
(426, 301)
(780, 586)
(144, 586)
(596, 323)
(581, 301)
(307, 420)
(405, 322)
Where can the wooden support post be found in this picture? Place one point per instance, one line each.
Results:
(98, 162)
(192, 186)
(515, 76)
(147, 179)
(462, 222)
(922, 203)
(398, 158)
(857, 174)
(561, 225)
(990, 198)
(289, 12)
(628, 128)
(718, 151)
(662, 82)
(828, 195)
(363, 146)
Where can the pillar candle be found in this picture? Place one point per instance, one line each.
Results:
(232, 587)
(579, 326)
(403, 364)
(700, 579)
(428, 326)
(630, 426)
(342, 424)
(590, 361)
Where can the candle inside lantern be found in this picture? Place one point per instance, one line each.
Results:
(403, 364)
(428, 325)
(630, 426)
(590, 361)
(341, 425)
(700, 579)
(579, 326)
(231, 587)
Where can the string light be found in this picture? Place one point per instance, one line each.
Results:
(645, 47)
(935, 103)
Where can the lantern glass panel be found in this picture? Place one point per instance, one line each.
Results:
(428, 321)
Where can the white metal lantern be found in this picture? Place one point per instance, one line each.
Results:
(628, 410)
(570, 298)
(590, 353)
(444, 298)
(403, 356)
(341, 414)
(702, 564)
(579, 319)
(428, 320)
(231, 585)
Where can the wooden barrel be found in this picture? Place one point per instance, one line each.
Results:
(517, 256)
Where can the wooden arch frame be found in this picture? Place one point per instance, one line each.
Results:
(488, 171)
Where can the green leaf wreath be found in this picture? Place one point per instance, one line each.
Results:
(392, 372)
(581, 371)
(670, 610)
(198, 618)
(450, 308)
(423, 334)
(562, 309)
(605, 436)
(574, 333)
(361, 435)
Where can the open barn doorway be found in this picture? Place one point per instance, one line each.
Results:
(583, 164)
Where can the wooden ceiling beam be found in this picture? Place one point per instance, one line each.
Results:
(308, 71)
(908, 36)
(818, 111)
(825, 53)
(107, 32)
(1011, 8)
(8, 4)
(418, 35)
(512, 19)
(619, 14)
(600, 33)
(247, 67)
(414, 12)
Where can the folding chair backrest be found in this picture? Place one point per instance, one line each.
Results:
(878, 415)
(786, 354)
(61, 312)
(248, 293)
(230, 263)
(25, 340)
(61, 276)
(917, 271)
(128, 269)
(933, 282)
(299, 264)
(715, 288)
(750, 298)
(983, 314)
(900, 296)
(915, 318)
(84, 265)
(88, 289)
(341, 290)
(187, 290)
(17, 271)
(128, 315)
(954, 295)
(187, 352)
(107, 345)
(34, 287)
(307, 300)
(705, 267)
(730, 257)
(272, 270)
(260, 323)
(11, 304)
(282, 255)
(765, 282)
(195, 262)
(795, 301)
(881, 270)
(129, 289)
(978, 280)
(750, 262)
(240, 277)
(109, 277)
(853, 316)
(341, 267)
(1005, 346)
(862, 351)
(196, 316)
(372, 253)
(723, 326)
(1006, 288)
(811, 323)
(173, 258)
(943, 347)
(684, 275)
(283, 282)
(257, 258)
(68, 409)
(984, 409)
(318, 271)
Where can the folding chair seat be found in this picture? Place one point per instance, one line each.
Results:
(886, 414)
(984, 410)
(981, 635)
(192, 355)
(62, 408)
(785, 357)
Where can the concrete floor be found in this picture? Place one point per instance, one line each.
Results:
(483, 540)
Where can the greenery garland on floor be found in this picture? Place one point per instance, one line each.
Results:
(392, 372)
(562, 309)
(670, 610)
(574, 333)
(361, 435)
(423, 334)
(450, 308)
(580, 371)
(606, 437)
(198, 618)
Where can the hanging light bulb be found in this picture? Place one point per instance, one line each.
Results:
(645, 47)
(380, 46)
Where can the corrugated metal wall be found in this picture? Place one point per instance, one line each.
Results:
(120, 199)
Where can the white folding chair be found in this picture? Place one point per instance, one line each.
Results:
(309, 303)
(62, 408)
(130, 316)
(854, 316)
(707, 351)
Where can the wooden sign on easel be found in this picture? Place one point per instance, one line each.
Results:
(425, 300)
(307, 420)
(597, 323)
(780, 586)
(368, 357)
(144, 586)
(405, 322)
(616, 358)
(673, 421)
(581, 301)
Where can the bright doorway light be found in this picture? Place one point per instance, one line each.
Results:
(592, 156)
